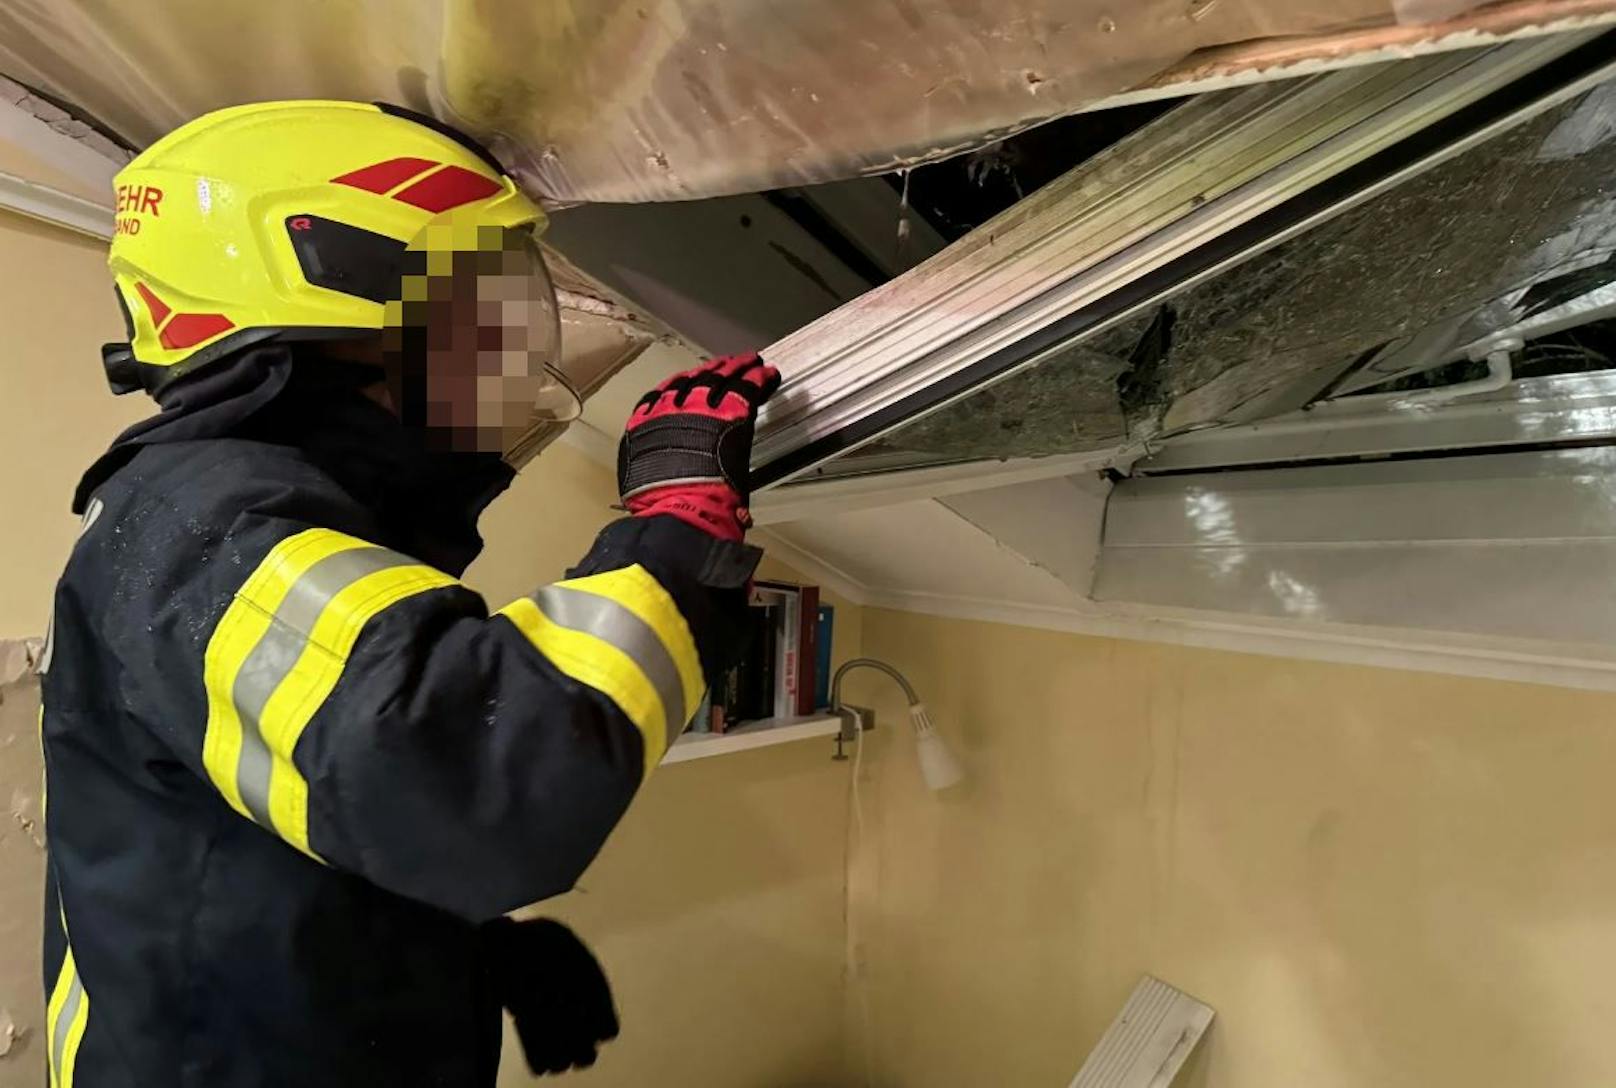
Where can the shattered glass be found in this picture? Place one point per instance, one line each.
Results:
(1070, 403)
(1470, 247)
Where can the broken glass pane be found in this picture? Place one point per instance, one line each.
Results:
(1398, 285)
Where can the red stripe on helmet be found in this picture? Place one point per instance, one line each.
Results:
(379, 177)
(188, 330)
(154, 305)
(448, 188)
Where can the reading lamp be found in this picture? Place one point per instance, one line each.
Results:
(938, 767)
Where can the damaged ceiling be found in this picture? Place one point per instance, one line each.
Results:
(646, 100)
(1452, 255)
(654, 100)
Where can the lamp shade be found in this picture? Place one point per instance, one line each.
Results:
(938, 767)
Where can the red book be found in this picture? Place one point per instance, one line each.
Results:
(807, 651)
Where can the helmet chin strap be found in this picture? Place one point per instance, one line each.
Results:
(122, 371)
(405, 366)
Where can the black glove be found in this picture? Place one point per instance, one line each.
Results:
(554, 990)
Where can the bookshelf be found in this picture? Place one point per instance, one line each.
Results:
(758, 734)
(776, 691)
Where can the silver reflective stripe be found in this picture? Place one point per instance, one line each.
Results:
(272, 658)
(64, 1022)
(611, 622)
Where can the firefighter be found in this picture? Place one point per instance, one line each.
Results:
(297, 774)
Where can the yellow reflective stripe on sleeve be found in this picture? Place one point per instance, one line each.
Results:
(306, 686)
(243, 625)
(620, 633)
(636, 590)
(67, 1014)
(277, 654)
(596, 663)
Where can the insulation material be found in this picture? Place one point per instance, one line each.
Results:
(638, 100)
(1453, 250)
(22, 861)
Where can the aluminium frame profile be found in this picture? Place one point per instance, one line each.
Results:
(1209, 184)
(1555, 412)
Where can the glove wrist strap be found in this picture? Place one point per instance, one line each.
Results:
(684, 449)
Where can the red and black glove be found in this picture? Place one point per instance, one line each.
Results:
(687, 449)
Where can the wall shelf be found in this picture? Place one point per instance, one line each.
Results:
(758, 734)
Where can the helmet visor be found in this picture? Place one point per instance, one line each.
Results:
(477, 333)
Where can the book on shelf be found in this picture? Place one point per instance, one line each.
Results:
(807, 648)
(777, 676)
(822, 670)
(724, 696)
(702, 720)
(782, 603)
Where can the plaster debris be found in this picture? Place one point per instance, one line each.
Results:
(18, 658)
(24, 813)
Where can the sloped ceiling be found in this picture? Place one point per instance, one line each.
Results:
(637, 100)
(923, 549)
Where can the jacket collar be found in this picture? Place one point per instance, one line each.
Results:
(428, 500)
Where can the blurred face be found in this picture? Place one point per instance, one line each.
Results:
(476, 332)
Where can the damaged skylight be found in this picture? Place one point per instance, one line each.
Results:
(1517, 225)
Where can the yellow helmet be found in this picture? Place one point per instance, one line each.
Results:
(291, 220)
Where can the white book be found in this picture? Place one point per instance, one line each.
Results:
(787, 604)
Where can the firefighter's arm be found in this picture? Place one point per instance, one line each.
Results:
(367, 710)
(364, 707)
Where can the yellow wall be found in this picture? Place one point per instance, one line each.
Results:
(1377, 878)
(56, 414)
(22, 874)
(716, 907)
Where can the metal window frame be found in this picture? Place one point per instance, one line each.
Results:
(1210, 184)
(1530, 413)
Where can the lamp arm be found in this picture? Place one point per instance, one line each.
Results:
(880, 666)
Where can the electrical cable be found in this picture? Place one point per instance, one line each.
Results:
(855, 970)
